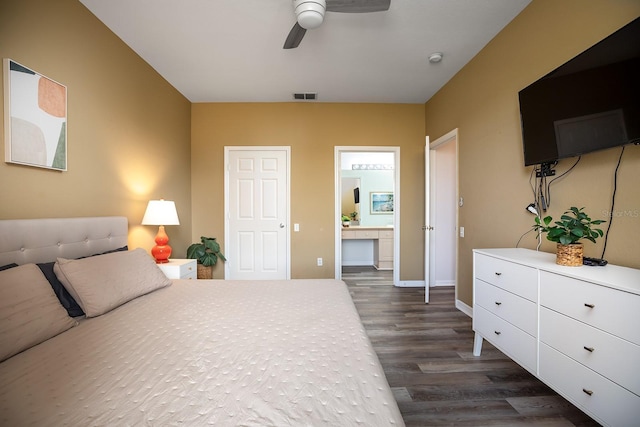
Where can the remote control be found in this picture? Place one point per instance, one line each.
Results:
(594, 261)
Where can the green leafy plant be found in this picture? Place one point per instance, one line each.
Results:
(346, 217)
(206, 252)
(353, 216)
(574, 225)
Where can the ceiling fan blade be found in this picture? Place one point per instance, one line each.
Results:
(358, 6)
(295, 37)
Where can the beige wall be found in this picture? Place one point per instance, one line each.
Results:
(128, 129)
(482, 102)
(133, 137)
(312, 131)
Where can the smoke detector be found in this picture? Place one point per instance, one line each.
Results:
(435, 57)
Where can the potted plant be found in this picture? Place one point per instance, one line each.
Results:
(354, 217)
(573, 226)
(206, 253)
(346, 220)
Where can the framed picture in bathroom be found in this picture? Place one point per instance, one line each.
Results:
(381, 202)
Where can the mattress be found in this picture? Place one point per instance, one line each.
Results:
(207, 352)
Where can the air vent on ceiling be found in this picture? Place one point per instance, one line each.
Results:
(305, 96)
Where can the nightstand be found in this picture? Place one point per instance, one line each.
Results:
(180, 269)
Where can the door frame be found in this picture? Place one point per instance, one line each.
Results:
(338, 150)
(433, 188)
(227, 238)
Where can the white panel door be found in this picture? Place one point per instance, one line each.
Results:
(257, 214)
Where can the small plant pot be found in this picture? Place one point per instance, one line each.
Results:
(346, 223)
(205, 272)
(569, 255)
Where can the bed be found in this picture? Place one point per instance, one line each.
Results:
(154, 351)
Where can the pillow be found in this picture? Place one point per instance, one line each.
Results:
(8, 266)
(101, 283)
(63, 295)
(29, 310)
(65, 298)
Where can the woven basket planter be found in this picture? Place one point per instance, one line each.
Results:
(205, 272)
(569, 255)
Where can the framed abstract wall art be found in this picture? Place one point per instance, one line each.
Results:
(35, 118)
(381, 202)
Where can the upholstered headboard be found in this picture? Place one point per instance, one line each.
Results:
(43, 240)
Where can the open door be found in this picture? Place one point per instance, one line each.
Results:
(427, 227)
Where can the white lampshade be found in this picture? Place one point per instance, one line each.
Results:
(161, 212)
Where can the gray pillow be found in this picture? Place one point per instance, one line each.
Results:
(30, 312)
(101, 283)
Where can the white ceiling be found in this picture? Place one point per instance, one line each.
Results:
(231, 50)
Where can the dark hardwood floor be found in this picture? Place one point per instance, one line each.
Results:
(426, 353)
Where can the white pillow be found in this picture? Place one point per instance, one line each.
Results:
(30, 312)
(101, 283)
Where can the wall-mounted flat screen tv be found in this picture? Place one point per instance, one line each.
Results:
(588, 104)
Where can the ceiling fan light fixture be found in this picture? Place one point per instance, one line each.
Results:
(309, 13)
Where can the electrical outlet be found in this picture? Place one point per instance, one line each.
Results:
(319, 262)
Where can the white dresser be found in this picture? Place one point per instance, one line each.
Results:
(575, 328)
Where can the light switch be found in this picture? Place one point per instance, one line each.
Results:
(296, 227)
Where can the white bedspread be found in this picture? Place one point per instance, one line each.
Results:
(220, 353)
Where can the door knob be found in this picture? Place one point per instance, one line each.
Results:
(281, 225)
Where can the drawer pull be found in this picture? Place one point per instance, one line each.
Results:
(498, 274)
(589, 305)
(589, 392)
(498, 303)
(497, 332)
(589, 349)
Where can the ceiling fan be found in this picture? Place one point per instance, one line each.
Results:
(310, 14)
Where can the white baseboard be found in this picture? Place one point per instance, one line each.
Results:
(358, 263)
(444, 283)
(464, 308)
(410, 284)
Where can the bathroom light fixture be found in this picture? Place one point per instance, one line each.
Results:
(161, 212)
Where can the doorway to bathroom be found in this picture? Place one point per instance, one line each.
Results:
(367, 202)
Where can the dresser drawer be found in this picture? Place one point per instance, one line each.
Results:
(608, 309)
(606, 354)
(512, 341)
(385, 234)
(608, 403)
(189, 275)
(348, 234)
(366, 234)
(361, 234)
(515, 278)
(512, 308)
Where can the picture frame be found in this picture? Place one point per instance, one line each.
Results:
(35, 118)
(381, 203)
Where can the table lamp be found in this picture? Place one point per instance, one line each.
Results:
(161, 212)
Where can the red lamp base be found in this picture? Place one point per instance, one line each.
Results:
(162, 251)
